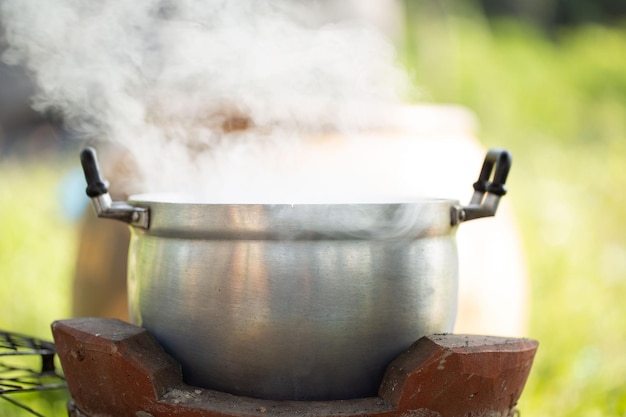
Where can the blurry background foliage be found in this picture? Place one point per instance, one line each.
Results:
(547, 80)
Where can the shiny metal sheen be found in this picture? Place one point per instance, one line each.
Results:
(120, 210)
(304, 302)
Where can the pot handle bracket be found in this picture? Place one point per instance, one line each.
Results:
(487, 191)
(98, 190)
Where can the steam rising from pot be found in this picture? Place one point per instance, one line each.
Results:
(208, 96)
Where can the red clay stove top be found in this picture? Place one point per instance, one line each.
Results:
(117, 369)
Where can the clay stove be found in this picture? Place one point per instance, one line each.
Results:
(117, 369)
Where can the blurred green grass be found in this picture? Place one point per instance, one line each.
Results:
(559, 104)
(37, 246)
(37, 256)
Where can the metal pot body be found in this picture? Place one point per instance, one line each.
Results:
(302, 302)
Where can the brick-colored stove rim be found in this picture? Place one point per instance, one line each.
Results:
(114, 368)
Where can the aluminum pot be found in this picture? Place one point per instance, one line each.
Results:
(300, 302)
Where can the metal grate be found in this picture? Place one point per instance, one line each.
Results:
(21, 371)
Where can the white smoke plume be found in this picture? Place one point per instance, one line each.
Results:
(200, 88)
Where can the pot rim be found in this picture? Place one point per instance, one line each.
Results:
(180, 199)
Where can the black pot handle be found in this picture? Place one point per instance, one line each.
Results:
(98, 191)
(487, 190)
(96, 185)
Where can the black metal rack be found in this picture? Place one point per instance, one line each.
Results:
(21, 372)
